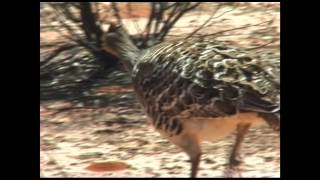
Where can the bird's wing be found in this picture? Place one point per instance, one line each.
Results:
(244, 83)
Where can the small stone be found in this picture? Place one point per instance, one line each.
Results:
(51, 162)
(209, 161)
(268, 159)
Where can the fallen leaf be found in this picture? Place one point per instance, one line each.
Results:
(107, 166)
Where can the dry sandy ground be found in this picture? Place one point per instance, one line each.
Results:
(74, 139)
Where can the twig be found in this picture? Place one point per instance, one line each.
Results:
(116, 12)
(159, 18)
(61, 110)
(210, 18)
(172, 12)
(96, 12)
(234, 7)
(92, 31)
(148, 26)
(77, 38)
(192, 7)
(168, 6)
(242, 27)
(264, 45)
(46, 68)
(69, 14)
(135, 23)
(49, 45)
(169, 25)
(59, 15)
(57, 52)
(206, 22)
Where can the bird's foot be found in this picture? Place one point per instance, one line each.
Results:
(235, 161)
(232, 172)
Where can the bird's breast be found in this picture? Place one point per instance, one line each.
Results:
(211, 129)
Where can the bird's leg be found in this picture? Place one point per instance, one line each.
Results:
(235, 160)
(195, 160)
(242, 130)
(191, 146)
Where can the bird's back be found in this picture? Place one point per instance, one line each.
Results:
(200, 78)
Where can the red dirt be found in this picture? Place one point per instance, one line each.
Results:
(126, 13)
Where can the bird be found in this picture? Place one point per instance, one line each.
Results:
(199, 89)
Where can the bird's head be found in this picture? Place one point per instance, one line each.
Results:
(117, 42)
(112, 39)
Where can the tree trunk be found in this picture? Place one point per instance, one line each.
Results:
(93, 34)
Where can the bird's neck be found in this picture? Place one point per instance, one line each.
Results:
(124, 49)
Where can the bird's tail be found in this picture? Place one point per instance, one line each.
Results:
(273, 120)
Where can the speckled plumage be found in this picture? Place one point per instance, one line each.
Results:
(204, 78)
(191, 87)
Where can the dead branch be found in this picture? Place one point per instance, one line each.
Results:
(225, 12)
(237, 28)
(70, 15)
(57, 52)
(59, 14)
(92, 30)
(148, 26)
(263, 45)
(116, 12)
(175, 16)
(73, 36)
(136, 25)
(210, 18)
(158, 17)
(206, 22)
